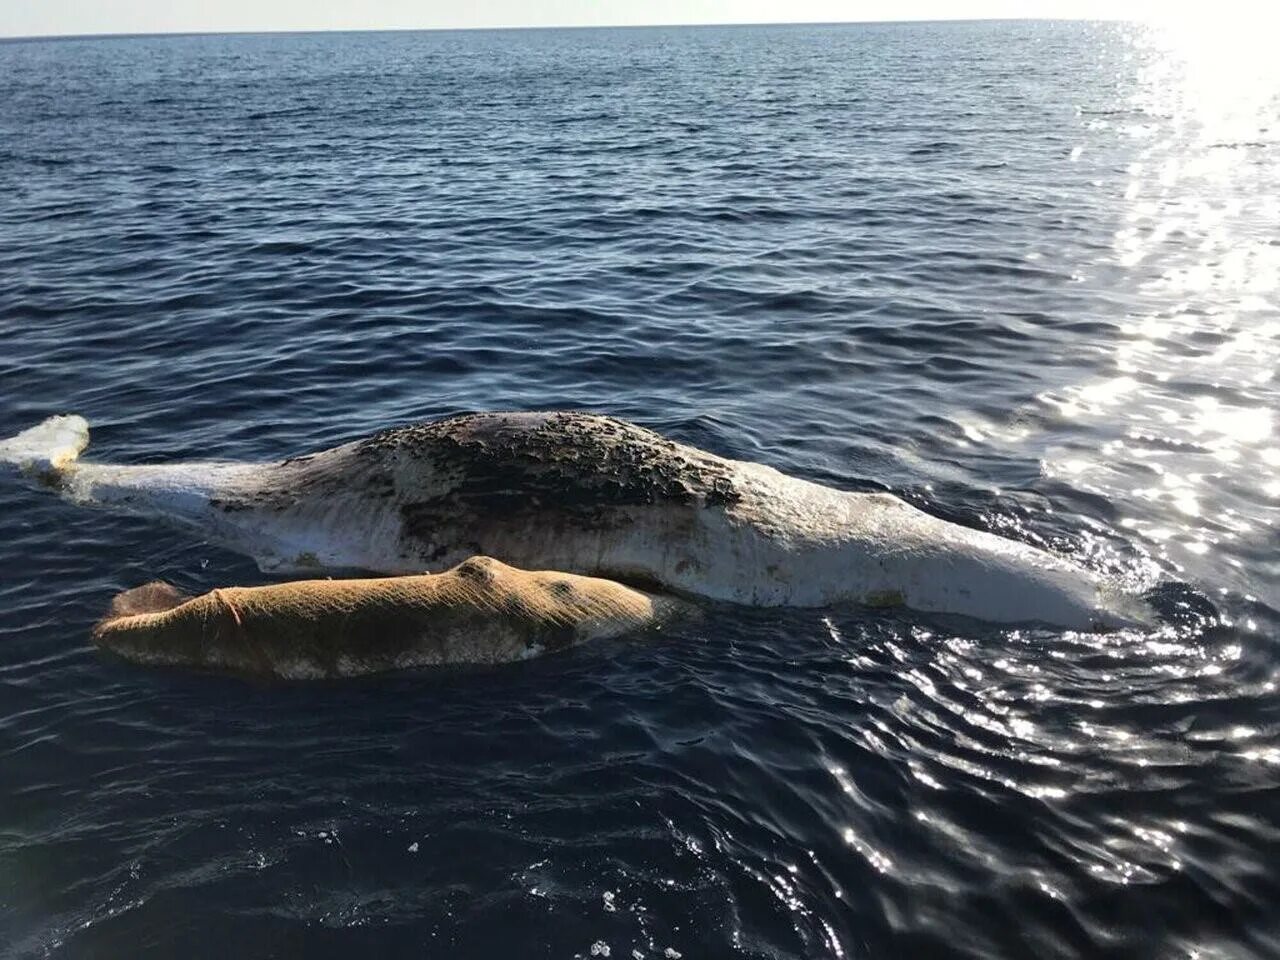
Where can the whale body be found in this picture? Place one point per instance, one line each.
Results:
(591, 495)
(480, 612)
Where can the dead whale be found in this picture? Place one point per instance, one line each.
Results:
(480, 612)
(587, 494)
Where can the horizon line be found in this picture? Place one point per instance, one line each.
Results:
(310, 31)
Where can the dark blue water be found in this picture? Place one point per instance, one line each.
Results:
(1024, 275)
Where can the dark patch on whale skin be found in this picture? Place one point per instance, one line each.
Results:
(561, 459)
(467, 483)
(578, 468)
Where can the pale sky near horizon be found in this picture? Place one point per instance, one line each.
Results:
(26, 18)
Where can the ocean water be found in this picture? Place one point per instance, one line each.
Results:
(1024, 275)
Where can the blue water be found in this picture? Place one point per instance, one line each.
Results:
(1024, 275)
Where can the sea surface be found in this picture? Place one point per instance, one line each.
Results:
(1024, 275)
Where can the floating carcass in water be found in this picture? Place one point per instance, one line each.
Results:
(592, 495)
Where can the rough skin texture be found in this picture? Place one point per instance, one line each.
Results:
(481, 611)
(505, 463)
(568, 466)
(565, 461)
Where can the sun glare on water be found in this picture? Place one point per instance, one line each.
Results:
(1229, 64)
(1187, 395)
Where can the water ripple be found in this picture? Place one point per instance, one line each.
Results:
(1022, 275)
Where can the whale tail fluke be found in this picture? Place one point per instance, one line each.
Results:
(47, 449)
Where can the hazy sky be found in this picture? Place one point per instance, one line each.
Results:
(40, 17)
